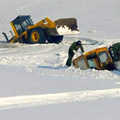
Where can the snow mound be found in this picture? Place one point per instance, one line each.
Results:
(65, 31)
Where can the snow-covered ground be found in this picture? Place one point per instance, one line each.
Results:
(34, 81)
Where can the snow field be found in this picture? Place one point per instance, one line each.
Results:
(34, 79)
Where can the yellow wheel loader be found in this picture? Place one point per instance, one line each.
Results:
(100, 59)
(45, 30)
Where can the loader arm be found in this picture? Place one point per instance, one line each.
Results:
(45, 23)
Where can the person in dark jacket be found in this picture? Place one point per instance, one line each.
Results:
(73, 48)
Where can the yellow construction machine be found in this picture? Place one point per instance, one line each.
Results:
(100, 59)
(45, 30)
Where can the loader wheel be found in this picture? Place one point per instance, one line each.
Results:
(55, 39)
(37, 36)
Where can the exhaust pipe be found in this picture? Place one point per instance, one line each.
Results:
(6, 37)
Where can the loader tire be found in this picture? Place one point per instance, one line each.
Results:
(55, 39)
(36, 36)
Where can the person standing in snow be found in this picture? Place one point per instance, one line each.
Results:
(73, 48)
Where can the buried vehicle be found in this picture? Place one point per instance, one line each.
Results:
(100, 58)
(27, 32)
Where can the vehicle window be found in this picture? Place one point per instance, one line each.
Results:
(82, 64)
(103, 56)
(30, 21)
(92, 63)
(18, 28)
(25, 24)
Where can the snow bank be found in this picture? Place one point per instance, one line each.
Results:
(33, 100)
(65, 31)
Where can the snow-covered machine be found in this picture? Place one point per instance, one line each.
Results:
(100, 58)
(27, 32)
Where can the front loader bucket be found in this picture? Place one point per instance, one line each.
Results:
(52, 32)
(67, 26)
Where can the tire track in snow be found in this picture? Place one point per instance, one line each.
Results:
(47, 99)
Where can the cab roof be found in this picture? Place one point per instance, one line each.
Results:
(20, 18)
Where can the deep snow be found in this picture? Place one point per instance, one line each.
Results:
(34, 81)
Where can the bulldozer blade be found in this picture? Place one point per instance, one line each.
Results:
(67, 26)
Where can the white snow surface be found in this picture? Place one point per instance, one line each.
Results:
(66, 31)
(35, 84)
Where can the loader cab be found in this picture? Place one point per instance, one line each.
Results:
(20, 24)
(93, 59)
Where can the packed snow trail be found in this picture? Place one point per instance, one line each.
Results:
(50, 59)
(47, 99)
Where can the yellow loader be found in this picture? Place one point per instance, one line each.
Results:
(100, 59)
(44, 31)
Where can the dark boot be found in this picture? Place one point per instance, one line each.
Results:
(69, 60)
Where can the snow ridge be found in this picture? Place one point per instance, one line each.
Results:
(47, 99)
